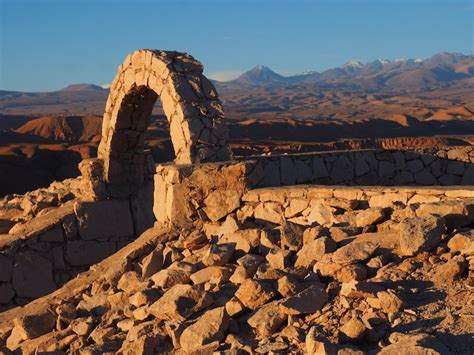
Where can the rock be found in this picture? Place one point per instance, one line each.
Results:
(96, 304)
(131, 283)
(145, 297)
(295, 207)
(152, 263)
(210, 327)
(420, 234)
(459, 242)
(370, 216)
(278, 258)
(247, 266)
(313, 233)
(319, 213)
(288, 286)
(288, 172)
(313, 251)
(316, 345)
(180, 302)
(354, 252)
(267, 319)
(92, 217)
(354, 272)
(389, 301)
(269, 212)
(354, 329)
(417, 344)
(307, 301)
(220, 203)
(449, 272)
(388, 199)
(245, 240)
(291, 236)
(234, 307)
(143, 338)
(254, 293)
(339, 234)
(35, 325)
(218, 254)
(456, 213)
(167, 278)
(32, 275)
(212, 274)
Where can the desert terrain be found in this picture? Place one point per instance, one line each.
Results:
(342, 225)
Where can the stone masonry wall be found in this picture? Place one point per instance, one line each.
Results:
(427, 167)
(184, 193)
(41, 255)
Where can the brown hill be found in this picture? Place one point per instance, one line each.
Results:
(64, 128)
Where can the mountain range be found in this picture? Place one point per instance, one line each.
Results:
(440, 69)
(382, 75)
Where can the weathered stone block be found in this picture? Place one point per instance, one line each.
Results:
(32, 275)
(104, 219)
(86, 253)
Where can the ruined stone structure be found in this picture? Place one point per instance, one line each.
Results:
(310, 252)
(189, 101)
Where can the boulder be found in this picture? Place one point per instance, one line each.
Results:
(210, 327)
(313, 251)
(220, 203)
(456, 213)
(218, 254)
(354, 252)
(152, 263)
(369, 216)
(420, 234)
(267, 319)
(307, 301)
(254, 293)
(180, 302)
(354, 329)
(35, 325)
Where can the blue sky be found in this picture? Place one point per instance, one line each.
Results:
(48, 44)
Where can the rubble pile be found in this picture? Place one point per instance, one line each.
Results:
(377, 280)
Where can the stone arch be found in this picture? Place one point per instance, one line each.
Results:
(190, 103)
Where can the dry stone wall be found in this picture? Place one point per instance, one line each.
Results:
(308, 205)
(189, 192)
(189, 101)
(427, 167)
(41, 255)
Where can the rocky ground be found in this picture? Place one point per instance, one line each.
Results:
(17, 209)
(385, 281)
